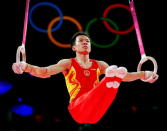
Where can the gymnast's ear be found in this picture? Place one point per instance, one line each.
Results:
(73, 48)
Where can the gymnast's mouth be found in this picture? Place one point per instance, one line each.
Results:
(85, 47)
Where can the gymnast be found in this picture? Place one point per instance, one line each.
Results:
(89, 97)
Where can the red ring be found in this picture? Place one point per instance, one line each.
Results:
(112, 29)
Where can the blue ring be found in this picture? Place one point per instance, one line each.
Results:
(47, 4)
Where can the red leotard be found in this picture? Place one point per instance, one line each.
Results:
(89, 98)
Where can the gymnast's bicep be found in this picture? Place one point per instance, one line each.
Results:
(61, 66)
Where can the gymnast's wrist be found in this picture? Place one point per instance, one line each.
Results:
(146, 76)
(142, 75)
(27, 68)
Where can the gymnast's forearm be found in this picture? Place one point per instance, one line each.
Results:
(37, 71)
(134, 76)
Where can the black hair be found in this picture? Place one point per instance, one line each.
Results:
(72, 41)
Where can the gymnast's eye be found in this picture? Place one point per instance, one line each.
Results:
(87, 40)
(81, 40)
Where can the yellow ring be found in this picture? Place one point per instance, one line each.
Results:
(50, 30)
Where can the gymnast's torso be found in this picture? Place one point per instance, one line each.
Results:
(80, 80)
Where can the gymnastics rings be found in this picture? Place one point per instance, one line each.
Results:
(46, 4)
(146, 59)
(109, 27)
(100, 45)
(56, 20)
(21, 50)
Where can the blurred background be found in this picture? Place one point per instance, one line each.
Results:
(28, 103)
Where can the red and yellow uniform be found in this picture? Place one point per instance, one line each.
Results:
(89, 98)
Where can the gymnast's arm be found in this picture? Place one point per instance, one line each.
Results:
(127, 78)
(42, 72)
(146, 76)
(102, 66)
(134, 76)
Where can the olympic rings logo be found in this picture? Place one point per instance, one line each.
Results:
(107, 23)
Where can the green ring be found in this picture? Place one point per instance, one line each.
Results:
(111, 22)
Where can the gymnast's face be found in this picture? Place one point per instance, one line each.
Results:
(82, 45)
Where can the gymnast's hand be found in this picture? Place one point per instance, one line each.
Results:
(19, 67)
(150, 77)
